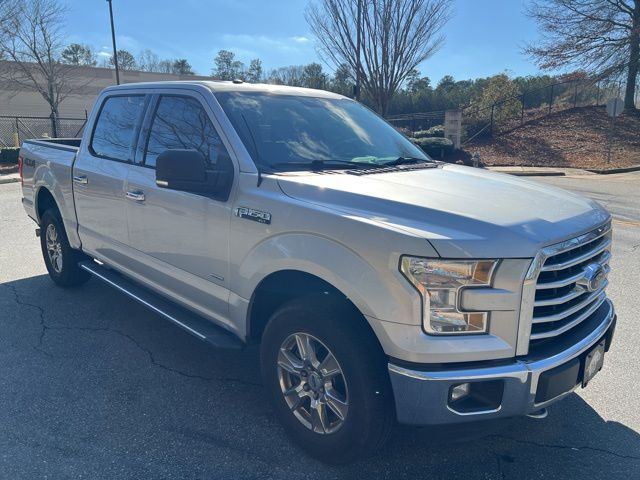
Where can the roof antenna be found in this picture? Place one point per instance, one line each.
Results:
(255, 148)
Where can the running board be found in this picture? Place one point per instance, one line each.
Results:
(183, 318)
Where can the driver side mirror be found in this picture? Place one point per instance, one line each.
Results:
(186, 170)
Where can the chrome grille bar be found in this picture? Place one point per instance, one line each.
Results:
(575, 293)
(601, 247)
(569, 311)
(564, 285)
(584, 315)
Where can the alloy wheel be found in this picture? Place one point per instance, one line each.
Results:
(54, 248)
(313, 383)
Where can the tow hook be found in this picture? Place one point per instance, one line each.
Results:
(539, 414)
(37, 232)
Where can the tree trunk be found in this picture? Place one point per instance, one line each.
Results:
(634, 60)
(54, 109)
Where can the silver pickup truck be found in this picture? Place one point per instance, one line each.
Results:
(382, 286)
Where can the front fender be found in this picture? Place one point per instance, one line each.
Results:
(378, 291)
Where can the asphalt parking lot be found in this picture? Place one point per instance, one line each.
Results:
(92, 385)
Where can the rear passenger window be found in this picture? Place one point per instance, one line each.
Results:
(116, 127)
(182, 123)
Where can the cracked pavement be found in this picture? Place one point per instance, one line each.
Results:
(92, 385)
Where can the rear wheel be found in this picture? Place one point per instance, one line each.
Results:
(326, 376)
(60, 259)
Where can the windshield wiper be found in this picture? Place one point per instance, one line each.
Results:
(405, 161)
(316, 165)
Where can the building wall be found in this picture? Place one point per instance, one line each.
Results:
(87, 83)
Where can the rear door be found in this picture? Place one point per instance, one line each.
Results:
(100, 172)
(181, 239)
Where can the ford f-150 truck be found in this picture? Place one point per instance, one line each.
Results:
(382, 285)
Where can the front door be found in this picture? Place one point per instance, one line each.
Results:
(181, 239)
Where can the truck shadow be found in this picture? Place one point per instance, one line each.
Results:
(89, 363)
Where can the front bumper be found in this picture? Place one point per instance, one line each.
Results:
(422, 396)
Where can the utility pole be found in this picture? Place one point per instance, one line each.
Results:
(113, 40)
(356, 90)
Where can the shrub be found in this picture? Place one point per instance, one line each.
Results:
(9, 155)
(435, 131)
(405, 131)
(436, 147)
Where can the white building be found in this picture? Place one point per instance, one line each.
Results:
(88, 81)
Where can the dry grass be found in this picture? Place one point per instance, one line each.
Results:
(575, 138)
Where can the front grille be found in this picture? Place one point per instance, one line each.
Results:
(564, 295)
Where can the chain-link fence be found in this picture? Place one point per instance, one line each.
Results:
(14, 130)
(413, 122)
(509, 113)
(481, 120)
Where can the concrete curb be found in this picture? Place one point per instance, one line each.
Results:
(534, 174)
(528, 172)
(611, 171)
(558, 171)
(11, 178)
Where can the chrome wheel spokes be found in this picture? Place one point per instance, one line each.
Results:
(54, 248)
(312, 383)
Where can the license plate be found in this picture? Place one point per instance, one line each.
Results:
(593, 363)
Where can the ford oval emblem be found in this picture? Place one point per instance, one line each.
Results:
(593, 278)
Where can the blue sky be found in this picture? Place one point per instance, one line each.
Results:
(484, 37)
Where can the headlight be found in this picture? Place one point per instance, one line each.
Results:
(440, 283)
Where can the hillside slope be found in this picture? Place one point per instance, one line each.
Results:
(571, 138)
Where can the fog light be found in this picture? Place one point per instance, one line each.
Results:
(458, 391)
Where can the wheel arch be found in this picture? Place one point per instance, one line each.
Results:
(44, 201)
(282, 286)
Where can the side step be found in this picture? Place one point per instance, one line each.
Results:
(192, 323)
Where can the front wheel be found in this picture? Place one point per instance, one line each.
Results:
(60, 259)
(326, 376)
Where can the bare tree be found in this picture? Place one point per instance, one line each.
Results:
(31, 39)
(291, 75)
(148, 61)
(396, 36)
(601, 37)
(165, 66)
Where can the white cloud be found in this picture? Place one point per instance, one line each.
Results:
(300, 39)
(249, 43)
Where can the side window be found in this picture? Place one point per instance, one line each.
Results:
(182, 123)
(115, 128)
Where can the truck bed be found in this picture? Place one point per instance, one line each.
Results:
(49, 163)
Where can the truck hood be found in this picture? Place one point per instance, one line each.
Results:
(463, 212)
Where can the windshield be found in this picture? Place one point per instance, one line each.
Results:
(288, 132)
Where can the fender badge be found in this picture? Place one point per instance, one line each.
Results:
(252, 214)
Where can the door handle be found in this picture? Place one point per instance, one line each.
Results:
(81, 179)
(136, 196)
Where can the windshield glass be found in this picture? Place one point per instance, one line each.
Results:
(289, 132)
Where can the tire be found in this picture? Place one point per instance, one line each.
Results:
(332, 327)
(60, 259)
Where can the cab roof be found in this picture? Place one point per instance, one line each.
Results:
(230, 86)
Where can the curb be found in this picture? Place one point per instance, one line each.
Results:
(611, 171)
(534, 174)
(527, 173)
(9, 179)
(596, 171)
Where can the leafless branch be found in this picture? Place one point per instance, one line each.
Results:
(601, 37)
(396, 36)
(31, 42)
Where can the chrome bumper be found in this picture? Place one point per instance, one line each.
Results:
(422, 397)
